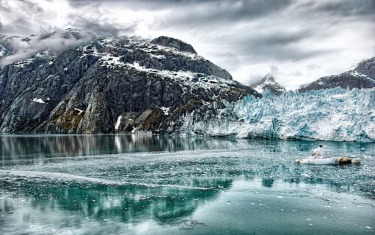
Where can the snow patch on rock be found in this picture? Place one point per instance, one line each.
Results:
(38, 100)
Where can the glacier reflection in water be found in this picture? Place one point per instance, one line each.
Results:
(166, 186)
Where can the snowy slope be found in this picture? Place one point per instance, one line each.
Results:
(334, 114)
(363, 76)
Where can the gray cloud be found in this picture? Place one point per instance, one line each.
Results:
(199, 11)
(54, 42)
(274, 69)
(343, 8)
(235, 34)
(102, 28)
(211, 13)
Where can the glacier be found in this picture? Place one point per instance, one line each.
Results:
(330, 115)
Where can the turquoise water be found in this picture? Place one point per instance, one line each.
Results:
(126, 184)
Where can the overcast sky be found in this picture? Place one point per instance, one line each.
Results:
(297, 41)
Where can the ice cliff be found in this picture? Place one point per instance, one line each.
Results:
(333, 114)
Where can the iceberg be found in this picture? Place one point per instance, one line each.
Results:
(331, 115)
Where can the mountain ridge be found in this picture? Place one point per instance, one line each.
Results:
(363, 76)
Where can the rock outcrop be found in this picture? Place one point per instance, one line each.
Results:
(111, 85)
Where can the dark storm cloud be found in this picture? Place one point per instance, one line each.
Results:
(278, 45)
(208, 13)
(268, 45)
(235, 34)
(279, 37)
(210, 8)
(267, 36)
(101, 28)
(20, 18)
(280, 54)
(343, 8)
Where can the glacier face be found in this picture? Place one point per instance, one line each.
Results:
(335, 114)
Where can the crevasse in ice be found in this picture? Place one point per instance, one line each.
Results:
(334, 114)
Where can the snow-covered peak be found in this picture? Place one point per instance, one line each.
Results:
(151, 57)
(269, 78)
(268, 83)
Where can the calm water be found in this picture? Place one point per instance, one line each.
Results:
(127, 184)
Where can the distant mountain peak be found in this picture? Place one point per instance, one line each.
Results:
(268, 83)
(269, 77)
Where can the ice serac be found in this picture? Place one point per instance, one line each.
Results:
(269, 84)
(363, 76)
(333, 114)
(110, 85)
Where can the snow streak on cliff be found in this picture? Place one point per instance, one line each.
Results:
(334, 114)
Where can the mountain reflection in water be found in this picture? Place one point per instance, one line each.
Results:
(127, 203)
(66, 182)
(15, 147)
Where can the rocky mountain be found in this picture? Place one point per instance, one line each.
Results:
(363, 76)
(268, 83)
(110, 85)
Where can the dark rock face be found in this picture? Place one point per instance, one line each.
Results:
(175, 43)
(269, 84)
(109, 86)
(367, 67)
(363, 76)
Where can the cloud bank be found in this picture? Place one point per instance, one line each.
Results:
(297, 41)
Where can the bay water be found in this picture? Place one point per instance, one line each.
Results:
(148, 184)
